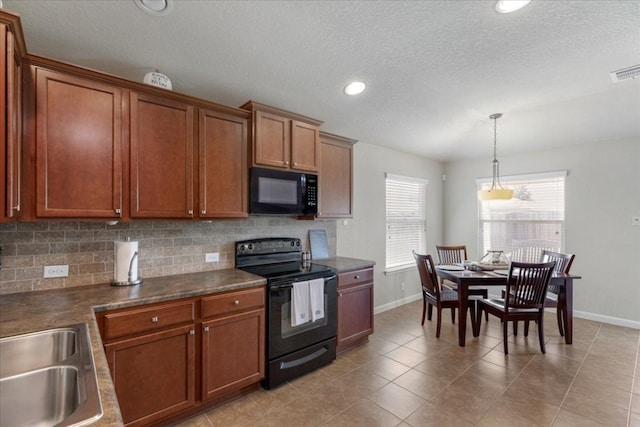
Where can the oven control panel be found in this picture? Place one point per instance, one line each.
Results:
(271, 245)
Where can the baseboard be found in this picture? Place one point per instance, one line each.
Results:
(607, 319)
(580, 314)
(397, 303)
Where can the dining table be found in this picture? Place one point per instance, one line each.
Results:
(465, 278)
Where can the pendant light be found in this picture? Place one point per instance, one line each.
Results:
(496, 192)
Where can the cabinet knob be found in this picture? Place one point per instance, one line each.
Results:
(119, 211)
(356, 277)
(190, 211)
(203, 212)
(206, 329)
(16, 208)
(154, 319)
(192, 332)
(236, 302)
(295, 163)
(286, 162)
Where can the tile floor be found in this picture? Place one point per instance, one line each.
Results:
(406, 377)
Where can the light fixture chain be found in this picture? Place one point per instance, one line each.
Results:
(495, 137)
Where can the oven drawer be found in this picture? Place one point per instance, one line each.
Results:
(230, 302)
(134, 321)
(354, 277)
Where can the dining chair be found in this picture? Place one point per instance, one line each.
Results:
(526, 290)
(456, 255)
(434, 295)
(554, 297)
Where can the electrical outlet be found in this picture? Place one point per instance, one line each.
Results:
(212, 257)
(56, 271)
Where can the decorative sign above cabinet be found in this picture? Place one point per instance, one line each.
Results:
(155, 78)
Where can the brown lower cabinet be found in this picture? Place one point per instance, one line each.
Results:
(355, 307)
(153, 374)
(173, 359)
(232, 341)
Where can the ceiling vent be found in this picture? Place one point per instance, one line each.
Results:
(625, 73)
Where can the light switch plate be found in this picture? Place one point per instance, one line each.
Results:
(55, 271)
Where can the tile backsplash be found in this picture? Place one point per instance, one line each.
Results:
(166, 247)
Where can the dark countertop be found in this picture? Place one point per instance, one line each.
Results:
(345, 264)
(35, 311)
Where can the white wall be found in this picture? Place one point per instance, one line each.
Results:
(364, 235)
(602, 196)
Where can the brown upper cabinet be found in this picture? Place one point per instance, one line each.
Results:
(12, 43)
(162, 167)
(282, 139)
(78, 147)
(336, 176)
(107, 148)
(223, 165)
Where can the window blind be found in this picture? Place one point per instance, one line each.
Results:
(533, 220)
(406, 219)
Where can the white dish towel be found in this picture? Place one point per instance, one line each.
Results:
(316, 298)
(300, 303)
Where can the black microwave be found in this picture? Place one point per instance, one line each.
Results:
(278, 192)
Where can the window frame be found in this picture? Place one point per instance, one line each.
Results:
(528, 252)
(393, 264)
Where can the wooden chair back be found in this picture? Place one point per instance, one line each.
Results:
(563, 261)
(527, 284)
(451, 254)
(428, 275)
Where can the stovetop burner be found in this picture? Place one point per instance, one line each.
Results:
(277, 258)
(288, 270)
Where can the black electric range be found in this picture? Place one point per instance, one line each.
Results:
(292, 350)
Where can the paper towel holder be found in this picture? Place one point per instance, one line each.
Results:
(129, 282)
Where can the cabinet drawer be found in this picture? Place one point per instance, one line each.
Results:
(357, 276)
(234, 301)
(147, 319)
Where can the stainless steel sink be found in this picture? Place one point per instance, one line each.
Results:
(28, 352)
(48, 378)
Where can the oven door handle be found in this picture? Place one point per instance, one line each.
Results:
(290, 285)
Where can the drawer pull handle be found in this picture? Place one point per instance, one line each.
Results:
(154, 319)
(236, 302)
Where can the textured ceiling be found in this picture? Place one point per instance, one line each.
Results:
(435, 70)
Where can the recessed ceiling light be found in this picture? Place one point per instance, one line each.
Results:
(155, 7)
(354, 88)
(508, 6)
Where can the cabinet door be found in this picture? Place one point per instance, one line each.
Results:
(78, 147)
(154, 374)
(223, 165)
(161, 158)
(355, 314)
(336, 180)
(272, 140)
(3, 122)
(232, 352)
(305, 146)
(13, 131)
